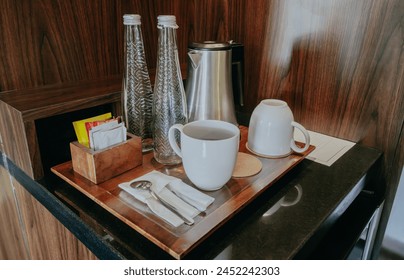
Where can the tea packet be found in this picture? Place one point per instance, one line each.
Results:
(107, 134)
(91, 124)
(81, 131)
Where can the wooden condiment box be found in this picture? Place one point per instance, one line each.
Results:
(99, 166)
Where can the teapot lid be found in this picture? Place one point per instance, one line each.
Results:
(210, 45)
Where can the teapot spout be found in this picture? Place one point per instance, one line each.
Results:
(195, 58)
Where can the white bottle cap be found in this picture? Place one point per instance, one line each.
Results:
(130, 19)
(166, 21)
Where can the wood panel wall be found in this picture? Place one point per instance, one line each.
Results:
(338, 63)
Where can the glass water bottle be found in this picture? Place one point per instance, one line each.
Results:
(137, 97)
(169, 104)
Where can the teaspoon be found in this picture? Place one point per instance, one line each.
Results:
(145, 185)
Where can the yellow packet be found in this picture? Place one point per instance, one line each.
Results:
(81, 131)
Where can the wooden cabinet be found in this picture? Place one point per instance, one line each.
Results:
(29, 230)
(13, 236)
(46, 237)
(20, 109)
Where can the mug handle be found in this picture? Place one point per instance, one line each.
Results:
(306, 137)
(171, 138)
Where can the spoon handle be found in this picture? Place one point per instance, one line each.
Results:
(187, 220)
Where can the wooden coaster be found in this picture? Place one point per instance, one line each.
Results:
(246, 165)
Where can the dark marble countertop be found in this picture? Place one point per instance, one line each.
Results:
(263, 230)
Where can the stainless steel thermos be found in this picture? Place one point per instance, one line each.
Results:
(209, 89)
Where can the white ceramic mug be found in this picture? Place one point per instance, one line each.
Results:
(208, 150)
(270, 132)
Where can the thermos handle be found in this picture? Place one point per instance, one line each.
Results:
(237, 58)
(237, 79)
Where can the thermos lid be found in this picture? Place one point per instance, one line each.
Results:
(129, 19)
(210, 45)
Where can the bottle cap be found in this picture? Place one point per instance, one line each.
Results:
(130, 19)
(166, 21)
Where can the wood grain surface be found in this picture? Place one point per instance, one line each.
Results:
(15, 142)
(47, 238)
(99, 166)
(15, 247)
(339, 63)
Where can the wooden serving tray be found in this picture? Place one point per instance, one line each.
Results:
(179, 241)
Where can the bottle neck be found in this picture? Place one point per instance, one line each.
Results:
(133, 33)
(168, 64)
(167, 38)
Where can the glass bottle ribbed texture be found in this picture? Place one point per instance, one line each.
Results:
(137, 91)
(169, 104)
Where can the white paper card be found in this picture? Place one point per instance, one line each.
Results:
(328, 149)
